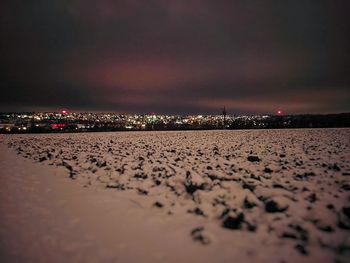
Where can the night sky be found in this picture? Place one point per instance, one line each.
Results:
(175, 56)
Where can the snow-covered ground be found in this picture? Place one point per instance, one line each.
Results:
(189, 196)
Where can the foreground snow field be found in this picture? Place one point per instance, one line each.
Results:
(205, 196)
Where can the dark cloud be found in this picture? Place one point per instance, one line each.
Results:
(175, 56)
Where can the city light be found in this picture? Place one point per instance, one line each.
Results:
(75, 121)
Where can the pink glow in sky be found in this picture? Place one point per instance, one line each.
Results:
(177, 56)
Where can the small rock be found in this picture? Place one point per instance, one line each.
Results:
(248, 186)
(253, 158)
(322, 225)
(158, 204)
(344, 218)
(199, 235)
(276, 204)
(248, 204)
(267, 170)
(101, 164)
(41, 159)
(67, 165)
(346, 187)
(346, 211)
(344, 247)
(140, 175)
(276, 185)
(288, 235)
(197, 211)
(250, 227)
(330, 206)
(311, 198)
(112, 185)
(336, 167)
(301, 233)
(233, 220)
(193, 182)
(142, 191)
(300, 248)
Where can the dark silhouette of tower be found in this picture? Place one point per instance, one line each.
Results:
(224, 115)
(32, 122)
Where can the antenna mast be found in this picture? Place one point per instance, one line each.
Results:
(224, 115)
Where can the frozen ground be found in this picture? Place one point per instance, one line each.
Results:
(208, 196)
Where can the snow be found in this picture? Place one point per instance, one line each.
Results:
(206, 196)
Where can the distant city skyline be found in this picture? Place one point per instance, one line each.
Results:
(175, 57)
(65, 121)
